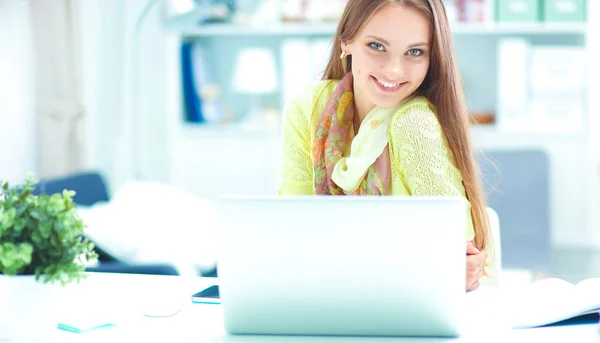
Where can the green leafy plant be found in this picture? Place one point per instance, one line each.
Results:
(42, 235)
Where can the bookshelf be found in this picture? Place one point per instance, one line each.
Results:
(225, 40)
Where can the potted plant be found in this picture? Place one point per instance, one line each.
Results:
(42, 250)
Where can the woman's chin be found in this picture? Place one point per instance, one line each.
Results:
(387, 103)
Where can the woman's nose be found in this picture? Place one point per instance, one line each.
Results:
(394, 69)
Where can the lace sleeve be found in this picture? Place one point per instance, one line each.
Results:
(421, 156)
(296, 168)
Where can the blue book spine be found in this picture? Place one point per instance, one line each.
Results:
(191, 99)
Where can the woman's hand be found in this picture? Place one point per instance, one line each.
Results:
(475, 262)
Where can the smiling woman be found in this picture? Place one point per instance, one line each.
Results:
(391, 92)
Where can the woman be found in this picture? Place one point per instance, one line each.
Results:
(389, 117)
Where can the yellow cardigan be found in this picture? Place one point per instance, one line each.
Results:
(421, 161)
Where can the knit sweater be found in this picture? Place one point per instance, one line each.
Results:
(422, 164)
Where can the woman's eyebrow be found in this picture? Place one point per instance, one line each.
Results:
(379, 39)
(417, 44)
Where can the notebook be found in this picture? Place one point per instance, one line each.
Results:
(553, 300)
(86, 321)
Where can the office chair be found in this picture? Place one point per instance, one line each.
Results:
(90, 188)
(517, 187)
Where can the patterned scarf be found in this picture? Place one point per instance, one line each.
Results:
(367, 170)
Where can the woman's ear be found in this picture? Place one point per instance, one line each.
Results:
(344, 47)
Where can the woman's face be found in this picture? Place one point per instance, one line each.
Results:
(390, 56)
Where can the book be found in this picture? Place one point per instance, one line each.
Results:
(86, 320)
(552, 301)
(191, 98)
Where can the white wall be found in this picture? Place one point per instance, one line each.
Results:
(17, 126)
(102, 42)
(108, 40)
(152, 80)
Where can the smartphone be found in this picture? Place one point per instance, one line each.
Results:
(209, 295)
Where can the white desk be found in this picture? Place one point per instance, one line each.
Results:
(203, 323)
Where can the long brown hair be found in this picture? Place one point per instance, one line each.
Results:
(442, 86)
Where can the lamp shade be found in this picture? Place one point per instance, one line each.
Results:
(255, 72)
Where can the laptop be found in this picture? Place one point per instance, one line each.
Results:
(344, 266)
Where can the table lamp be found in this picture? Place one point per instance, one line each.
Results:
(255, 74)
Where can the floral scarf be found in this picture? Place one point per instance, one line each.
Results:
(367, 170)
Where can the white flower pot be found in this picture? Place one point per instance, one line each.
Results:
(28, 309)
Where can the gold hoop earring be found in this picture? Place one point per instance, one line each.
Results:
(343, 55)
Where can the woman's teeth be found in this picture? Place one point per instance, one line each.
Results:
(388, 85)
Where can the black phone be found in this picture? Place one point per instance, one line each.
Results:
(208, 295)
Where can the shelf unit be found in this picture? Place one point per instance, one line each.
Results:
(228, 39)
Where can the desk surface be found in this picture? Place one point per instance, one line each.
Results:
(129, 294)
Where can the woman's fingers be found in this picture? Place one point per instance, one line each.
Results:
(480, 273)
(475, 263)
(471, 250)
(471, 277)
(474, 275)
(474, 286)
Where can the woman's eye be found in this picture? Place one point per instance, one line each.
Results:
(377, 46)
(415, 52)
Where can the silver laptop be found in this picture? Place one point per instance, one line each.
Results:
(351, 266)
